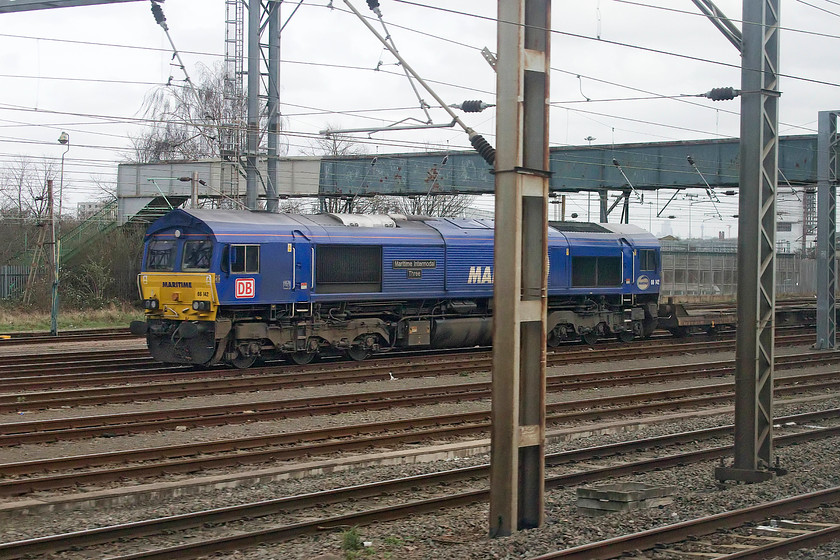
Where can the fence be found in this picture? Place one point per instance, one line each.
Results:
(12, 280)
(701, 271)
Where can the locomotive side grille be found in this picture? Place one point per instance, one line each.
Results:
(596, 272)
(348, 269)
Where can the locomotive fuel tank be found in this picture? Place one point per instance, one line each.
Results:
(462, 332)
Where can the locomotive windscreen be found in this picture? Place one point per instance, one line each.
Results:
(348, 269)
(160, 255)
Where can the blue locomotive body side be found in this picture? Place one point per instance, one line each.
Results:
(302, 285)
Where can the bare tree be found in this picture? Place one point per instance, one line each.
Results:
(190, 121)
(336, 145)
(433, 203)
(332, 144)
(106, 190)
(23, 190)
(452, 205)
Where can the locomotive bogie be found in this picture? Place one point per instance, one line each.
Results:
(181, 342)
(237, 287)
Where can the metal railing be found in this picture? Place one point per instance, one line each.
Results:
(12, 280)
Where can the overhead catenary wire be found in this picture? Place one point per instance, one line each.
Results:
(733, 20)
(426, 145)
(478, 142)
(605, 115)
(619, 43)
(374, 6)
(467, 14)
(835, 14)
(675, 97)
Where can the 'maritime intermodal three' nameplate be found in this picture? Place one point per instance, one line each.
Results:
(413, 264)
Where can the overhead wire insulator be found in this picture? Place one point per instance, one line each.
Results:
(157, 11)
(472, 106)
(374, 7)
(478, 142)
(484, 148)
(722, 94)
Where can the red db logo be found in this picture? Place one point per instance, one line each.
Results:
(245, 288)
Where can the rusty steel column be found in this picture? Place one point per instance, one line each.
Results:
(517, 462)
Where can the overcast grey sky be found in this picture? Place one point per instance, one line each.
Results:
(86, 71)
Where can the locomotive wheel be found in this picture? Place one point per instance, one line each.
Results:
(243, 362)
(590, 338)
(553, 340)
(626, 336)
(358, 353)
(301, 358)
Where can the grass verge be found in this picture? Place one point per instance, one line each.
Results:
(26, 320)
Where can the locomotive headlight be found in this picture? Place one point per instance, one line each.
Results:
(199, 305)
(151, 304)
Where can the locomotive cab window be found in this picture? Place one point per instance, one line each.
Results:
(648, 260)
(197, 256)
(225, 261)
(596, 272)
(245, 259)
(160, 255)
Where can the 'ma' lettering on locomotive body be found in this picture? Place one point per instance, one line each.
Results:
(176, 284)
(480, 275)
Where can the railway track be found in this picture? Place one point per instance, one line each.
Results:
(17, 433)
(18, 399)
(758, 543)
(123, 360)
(254, 450)
(79, 335)
(447, 498)
(44, 363)
(96, 369)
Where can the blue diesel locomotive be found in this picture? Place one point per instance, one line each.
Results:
(230, 286)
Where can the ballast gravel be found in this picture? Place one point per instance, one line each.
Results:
(459, 533)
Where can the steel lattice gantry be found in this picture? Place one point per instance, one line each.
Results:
(754, 355)
(827, 161)
(263, 16)
(650, 166)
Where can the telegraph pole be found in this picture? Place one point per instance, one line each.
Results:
(517, 464)
(53, 261)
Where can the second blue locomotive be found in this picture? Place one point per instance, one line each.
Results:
(234, 286)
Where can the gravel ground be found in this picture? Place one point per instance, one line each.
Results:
(460, 533)
(72, 346)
